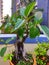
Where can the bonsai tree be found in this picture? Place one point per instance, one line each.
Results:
(24, 23)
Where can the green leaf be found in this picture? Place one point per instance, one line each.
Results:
(13, 21)
(21, 62)
(19, 23)
(29, 8)
(44, 29)
(22, 10)
(8, 40)
(38, 15)
(2, 52)
(2, 26)
(8, 57)
(33, 32)
(7, 25)
(30, 24)
(20, 32)
(2, 40)
(37, 21)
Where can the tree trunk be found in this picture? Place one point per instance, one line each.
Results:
(20, 49)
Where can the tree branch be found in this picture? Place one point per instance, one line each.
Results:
(26, 34)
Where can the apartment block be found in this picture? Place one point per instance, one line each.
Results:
(44, 4)
(1, 9)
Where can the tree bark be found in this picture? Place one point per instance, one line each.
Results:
(20, 49)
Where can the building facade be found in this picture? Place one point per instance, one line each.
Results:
(1, 9)
(44, 4)
(15, 5)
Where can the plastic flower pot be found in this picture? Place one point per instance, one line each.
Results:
(11, 63)
(47, 63)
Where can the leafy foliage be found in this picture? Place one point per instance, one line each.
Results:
(7, 41)
(29, 8)
(22, 10)
(34, 32)
(8, 57)
(41, 49)
(20, 32)
(2, 51)
(21, 62)
(25, 21)
(29, 56)
(45, 30)
(40, 62)
(18, 24)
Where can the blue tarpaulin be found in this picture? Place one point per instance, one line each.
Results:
(41, 38)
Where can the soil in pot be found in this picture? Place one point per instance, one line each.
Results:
(29, 61)
(42, 58)
(11, 63)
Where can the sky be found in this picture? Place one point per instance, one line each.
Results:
(7, 7)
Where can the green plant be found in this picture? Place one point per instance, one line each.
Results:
(41, 62)
(21, 62)
(41, 49)
(8, 57)
(24, 24)
(2, 51)
(41, 53)
(29, 56)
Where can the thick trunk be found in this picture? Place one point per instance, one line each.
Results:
(20, 49)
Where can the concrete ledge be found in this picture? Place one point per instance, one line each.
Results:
(3, 63)
(28, 47)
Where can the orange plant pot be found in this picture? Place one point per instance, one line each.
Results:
(35, 63)
(11, 63)
(34, 59)
(47, 63)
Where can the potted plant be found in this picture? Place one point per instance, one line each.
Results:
(41, 53)
(25, 22)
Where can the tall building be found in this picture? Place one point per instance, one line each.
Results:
(48, 13)
(1, 9)
(44, 4)
(15, 5)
